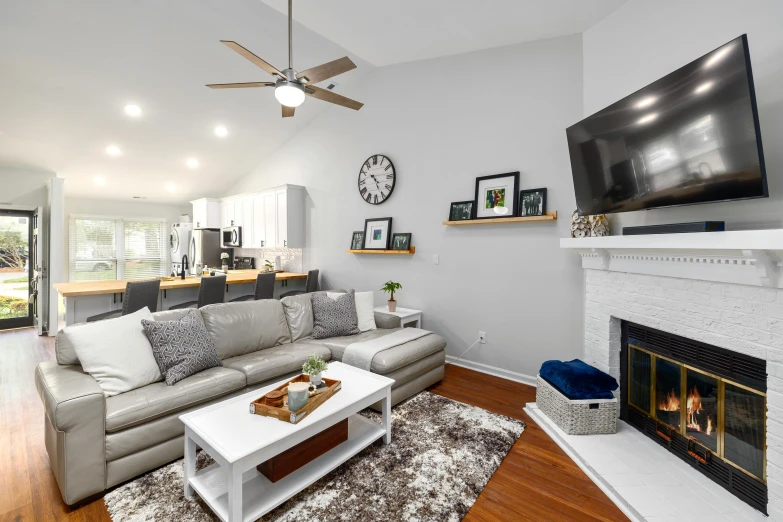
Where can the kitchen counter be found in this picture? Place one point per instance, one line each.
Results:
(117, 286)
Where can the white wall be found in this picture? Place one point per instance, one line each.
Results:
(643, 41)
(103, 207)
(23, 187)
(443, 122)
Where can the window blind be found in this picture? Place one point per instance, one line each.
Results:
(105, 248)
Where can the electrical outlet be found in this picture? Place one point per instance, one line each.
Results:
(436, 259)
(482, 337)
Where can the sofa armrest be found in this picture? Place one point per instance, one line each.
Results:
(387, 321)
(74, 429)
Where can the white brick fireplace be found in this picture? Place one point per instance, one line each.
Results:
(722, 288)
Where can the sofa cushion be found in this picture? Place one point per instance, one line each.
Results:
(334, 317)
(247, 326)
(388, 360)
(155, 400)
(298, 310)
(181, 348)
(268, 364)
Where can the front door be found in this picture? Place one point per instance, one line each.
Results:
(17, 290)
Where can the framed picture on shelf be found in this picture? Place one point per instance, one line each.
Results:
(532, 202)
(497, 196)
(461, 211)
(357, 240)
(377, 233)
(401, 241)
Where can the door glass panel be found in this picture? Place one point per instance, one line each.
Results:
(14, 267)
(744, 429)
(668, 378)
(702, 409)
(641, 379)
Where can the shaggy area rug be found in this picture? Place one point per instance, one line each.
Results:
(442, 455)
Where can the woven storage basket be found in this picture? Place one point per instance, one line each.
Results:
(588, 417)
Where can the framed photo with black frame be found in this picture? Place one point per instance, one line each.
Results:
(497, 196)
(377, 233)
(532, 202)
(357, 240)
(401, 241)
(461, 211)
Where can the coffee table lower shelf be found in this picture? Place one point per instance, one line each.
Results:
(260, 495)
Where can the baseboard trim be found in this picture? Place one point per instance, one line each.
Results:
(492, 370)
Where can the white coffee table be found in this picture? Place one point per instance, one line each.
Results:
(239, 441)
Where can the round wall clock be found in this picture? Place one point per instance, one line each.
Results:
(376, 179)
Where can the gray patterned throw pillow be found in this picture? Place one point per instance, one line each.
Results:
(181, 348)
(334, 317)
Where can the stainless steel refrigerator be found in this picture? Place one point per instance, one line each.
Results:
(204, 248)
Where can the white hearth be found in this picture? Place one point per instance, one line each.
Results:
(721, 288)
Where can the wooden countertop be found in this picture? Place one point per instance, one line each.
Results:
(117, 286)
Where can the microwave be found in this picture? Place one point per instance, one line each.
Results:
(232, 236)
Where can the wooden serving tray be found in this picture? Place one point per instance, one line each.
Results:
(259, 407)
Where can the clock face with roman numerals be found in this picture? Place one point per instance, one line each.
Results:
(376, 179)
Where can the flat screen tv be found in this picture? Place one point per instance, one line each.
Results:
(691, 137)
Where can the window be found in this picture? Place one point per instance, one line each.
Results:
(105, 248)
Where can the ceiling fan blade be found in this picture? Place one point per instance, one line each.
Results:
(327, 70)
(288, 111)
(252, 57)
(329, 96)
(240, 85)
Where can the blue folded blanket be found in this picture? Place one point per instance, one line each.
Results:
(578, 380)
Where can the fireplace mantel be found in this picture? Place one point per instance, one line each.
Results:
(749, 257)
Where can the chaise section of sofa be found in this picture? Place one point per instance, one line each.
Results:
(95, 442)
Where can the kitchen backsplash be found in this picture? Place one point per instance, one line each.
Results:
(291, 258)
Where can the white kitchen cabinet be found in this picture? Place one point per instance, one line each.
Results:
(290, 217)
(281, 208)
(206, 213)
(246, 221)
(259, 226)
(227, 213)
(270, 219)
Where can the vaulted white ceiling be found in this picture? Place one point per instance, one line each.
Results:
(384, 32)
(69, 68)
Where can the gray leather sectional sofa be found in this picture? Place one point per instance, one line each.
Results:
(95, 443)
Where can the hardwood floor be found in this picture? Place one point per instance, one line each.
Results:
(536, 482)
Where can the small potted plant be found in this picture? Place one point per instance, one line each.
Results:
(314, 366)
(390, 287)
(224, 260)
(269, 266)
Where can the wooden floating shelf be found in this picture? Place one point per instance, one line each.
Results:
(397, 252)
(549, 216)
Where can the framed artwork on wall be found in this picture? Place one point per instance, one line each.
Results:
(377, 233)
(357, 240)
(461, 211)
(497, 196)
(532, 202)
(401, 241)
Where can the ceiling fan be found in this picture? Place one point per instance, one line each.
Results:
(292, 87)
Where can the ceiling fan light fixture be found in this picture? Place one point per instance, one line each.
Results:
(289, 94)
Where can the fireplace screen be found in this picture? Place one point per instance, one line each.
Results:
(718, 417)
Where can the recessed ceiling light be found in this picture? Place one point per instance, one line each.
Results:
(704, 87)
(221, 131)
(645, 102)
(113, 150)
(134, 111)
(170, 187)
(648, 118)
(718, 56)
(192, 163)
(98, 180)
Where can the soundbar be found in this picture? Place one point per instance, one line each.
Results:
(676, 228)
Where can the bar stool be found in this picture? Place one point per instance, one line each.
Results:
(265, 289)
(138, 294)
(310, 286)
(210, 291)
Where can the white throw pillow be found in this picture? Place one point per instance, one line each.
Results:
(116, 352)
(365, 302)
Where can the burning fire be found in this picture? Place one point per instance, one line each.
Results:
(693, 405)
